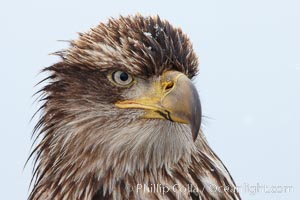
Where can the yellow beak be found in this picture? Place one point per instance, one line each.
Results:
(174, 97)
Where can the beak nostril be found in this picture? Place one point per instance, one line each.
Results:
(169, 85)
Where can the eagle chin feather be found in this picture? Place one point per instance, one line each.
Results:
(90, 150)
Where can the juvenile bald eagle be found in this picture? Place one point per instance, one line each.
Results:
(121, 119)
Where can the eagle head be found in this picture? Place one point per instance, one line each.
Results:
(119, 109)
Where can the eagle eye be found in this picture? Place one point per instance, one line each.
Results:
(121, 78)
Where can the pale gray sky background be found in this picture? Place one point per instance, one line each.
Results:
(249, 80)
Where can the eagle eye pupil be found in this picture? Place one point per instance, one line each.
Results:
(124, 76)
